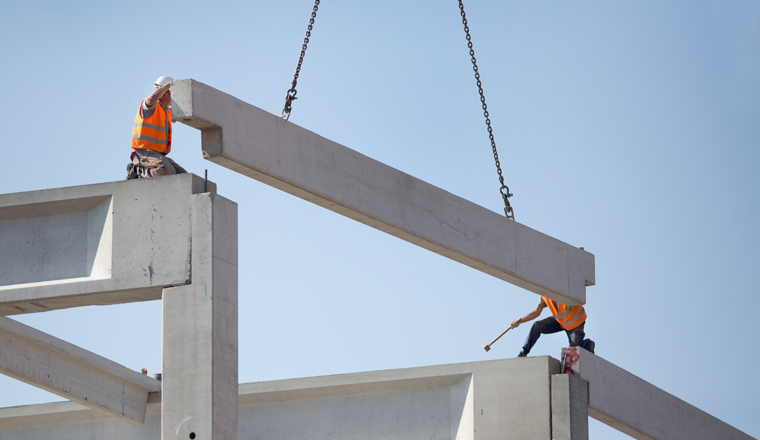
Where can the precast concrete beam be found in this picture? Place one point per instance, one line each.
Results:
(200, 331)
(71, 372)
(639, 409)
(108, 243)
(493, 400)
(267, 148)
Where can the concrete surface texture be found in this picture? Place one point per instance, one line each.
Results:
(504, 399)
(97, 244)
(279, 153)
(42, 360)
(638, 408)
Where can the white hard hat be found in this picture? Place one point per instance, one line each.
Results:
(163, 81)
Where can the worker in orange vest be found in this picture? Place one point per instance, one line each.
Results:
(152, 135)
(570, 319)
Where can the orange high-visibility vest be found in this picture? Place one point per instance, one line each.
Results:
(568, 317)
(154, 133)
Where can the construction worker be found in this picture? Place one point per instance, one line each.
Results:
(152, 135)
(570, 319)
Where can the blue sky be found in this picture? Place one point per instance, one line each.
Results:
(629, 128)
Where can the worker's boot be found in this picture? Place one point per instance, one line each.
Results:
(522, 353)
(591, 345)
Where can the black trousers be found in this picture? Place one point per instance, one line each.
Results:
(550, 325)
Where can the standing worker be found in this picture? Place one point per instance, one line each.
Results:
(152, 135)
(570, 319)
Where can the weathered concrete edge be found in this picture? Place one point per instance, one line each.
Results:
(69, 367)
(187, 110)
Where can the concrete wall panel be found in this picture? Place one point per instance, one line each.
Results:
(265, 147)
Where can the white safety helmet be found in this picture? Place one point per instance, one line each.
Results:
(163, 81)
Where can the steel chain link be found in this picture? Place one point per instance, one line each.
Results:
(291, 94)
(504, 190)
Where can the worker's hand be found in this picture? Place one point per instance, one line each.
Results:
(157, 94)
(515, 323)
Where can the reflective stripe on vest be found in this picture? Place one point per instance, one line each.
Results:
(154, 133)
(568, 317)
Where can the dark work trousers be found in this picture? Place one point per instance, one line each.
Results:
(550, 325)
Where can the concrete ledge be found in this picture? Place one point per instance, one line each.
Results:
(71, 372)
(94, 245)
(637, 408)
(279, 153)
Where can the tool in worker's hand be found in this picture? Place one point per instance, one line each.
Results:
(487, 347)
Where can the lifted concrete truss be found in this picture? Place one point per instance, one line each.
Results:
(279, 153)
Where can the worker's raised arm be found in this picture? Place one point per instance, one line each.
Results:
(153, 98)
(530, 316)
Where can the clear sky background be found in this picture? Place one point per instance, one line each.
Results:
(630, 128)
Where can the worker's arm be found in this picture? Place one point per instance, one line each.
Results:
(529, 317)
(153, 98)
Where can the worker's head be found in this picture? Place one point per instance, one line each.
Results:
(166, 99)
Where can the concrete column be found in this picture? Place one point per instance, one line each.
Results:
(569, 407)
(200, 324)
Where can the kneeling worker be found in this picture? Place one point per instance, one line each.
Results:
(152, 135)
(570, 319)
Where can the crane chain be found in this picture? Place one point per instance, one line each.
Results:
(291, 94)
(504, 190)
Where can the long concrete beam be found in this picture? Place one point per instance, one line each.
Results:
(521, 398)
(262, 146)
(635, 407)
(71, 372)
(503, 399)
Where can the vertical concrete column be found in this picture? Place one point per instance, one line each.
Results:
(569, 407)
(200, 325)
